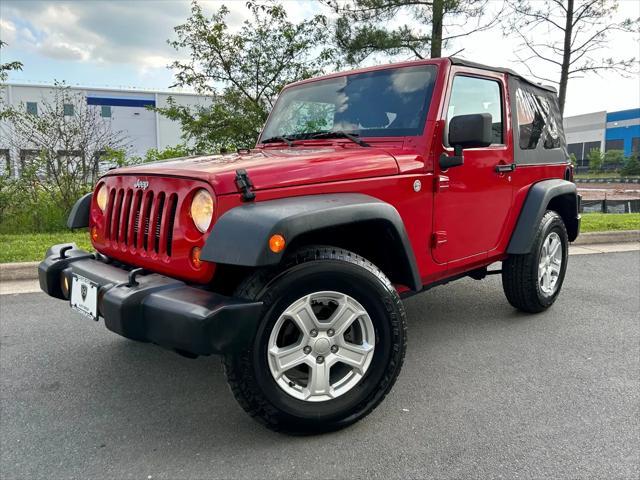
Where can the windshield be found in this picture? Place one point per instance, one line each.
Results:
(382, 103)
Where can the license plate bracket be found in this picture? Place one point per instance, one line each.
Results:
(84, 296)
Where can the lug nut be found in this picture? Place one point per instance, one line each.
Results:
(313, 333)
(334, 348)
(307, 349)
(331, 332)
(320, 359)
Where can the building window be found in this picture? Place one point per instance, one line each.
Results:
(577, 149)
(68, 109)
(614, 145)
(32, 108)
(5, 163)
(635, 146)
(105, 111)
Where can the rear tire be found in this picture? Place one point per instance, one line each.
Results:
(532, 281)
(371, 340)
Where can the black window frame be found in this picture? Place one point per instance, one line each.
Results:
(502, 106)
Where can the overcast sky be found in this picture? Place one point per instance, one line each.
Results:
(123, 43)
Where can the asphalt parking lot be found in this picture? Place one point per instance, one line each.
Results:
(485, 392)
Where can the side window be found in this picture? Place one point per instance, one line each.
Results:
(538, 121)
(477, 95)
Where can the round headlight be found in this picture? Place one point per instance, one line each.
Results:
(202, 210)
(101, 197)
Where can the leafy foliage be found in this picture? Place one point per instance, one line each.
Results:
(243, 70)
(614, 157)
(26, 206)
(595, 160)
(631, 166)
(5, 68)
(363, 26)
(569, 35)
(60, 154)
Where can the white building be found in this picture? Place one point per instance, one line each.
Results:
(125, 109)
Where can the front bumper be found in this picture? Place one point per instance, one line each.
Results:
(158, 309)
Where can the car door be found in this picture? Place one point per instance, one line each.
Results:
(472, 201)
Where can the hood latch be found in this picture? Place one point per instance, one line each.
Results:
(244, 184)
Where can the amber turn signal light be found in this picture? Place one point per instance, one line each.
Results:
(276, 243)
(94, 233)
(195, 257)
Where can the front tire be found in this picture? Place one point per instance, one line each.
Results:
(330, 345)
(532, 281)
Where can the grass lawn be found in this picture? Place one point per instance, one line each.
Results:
(601, 222)
(33, 246)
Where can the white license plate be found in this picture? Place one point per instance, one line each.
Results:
(84, 296)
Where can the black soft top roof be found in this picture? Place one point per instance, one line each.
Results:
(467, 63)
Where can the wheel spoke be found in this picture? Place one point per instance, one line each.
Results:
(319, 380)
(303, 316)
(541, 271)
(286, 358)
(344, 316)
(554, 246)
(547, 278)
(353, 355)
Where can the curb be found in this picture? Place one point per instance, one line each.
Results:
(18, 271)
(29, 270)
(616, 236)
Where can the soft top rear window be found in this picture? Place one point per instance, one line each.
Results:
(539, 121)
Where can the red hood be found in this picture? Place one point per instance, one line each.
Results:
(271, 168)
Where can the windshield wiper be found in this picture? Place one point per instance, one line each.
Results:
(278, 139)
(342, 134)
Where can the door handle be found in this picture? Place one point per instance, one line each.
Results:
(502, 168)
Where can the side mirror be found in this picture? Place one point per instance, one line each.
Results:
(467, 131)
(471, 131)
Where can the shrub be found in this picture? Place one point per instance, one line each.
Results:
(631, 166)
(595, 160)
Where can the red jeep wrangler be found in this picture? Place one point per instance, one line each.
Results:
(291, 259)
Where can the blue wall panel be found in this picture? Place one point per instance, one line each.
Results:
(625, 132)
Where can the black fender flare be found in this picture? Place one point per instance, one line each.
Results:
(539, 197)
(79, 216)
(241, 235)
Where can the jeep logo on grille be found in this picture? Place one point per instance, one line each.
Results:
(143, 184)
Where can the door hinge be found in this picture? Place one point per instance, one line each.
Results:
(439, 238)
(441, 183)
(243, 182)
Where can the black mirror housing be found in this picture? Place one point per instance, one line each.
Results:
(446, 161)
(471, 131)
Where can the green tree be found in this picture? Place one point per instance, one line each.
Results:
(5, 68)
(362, 27)
(573, 159)
(242, 70)
(595, 160)
(119, 156)
(614, 158)
(570, 36)
(631, 166)
(62, 152)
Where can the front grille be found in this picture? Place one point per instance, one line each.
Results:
(141, 220)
